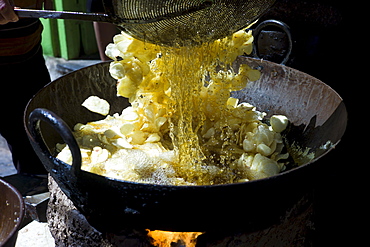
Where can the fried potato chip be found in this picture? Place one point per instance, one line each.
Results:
(97, 105)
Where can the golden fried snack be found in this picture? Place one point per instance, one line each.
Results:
(182, 127)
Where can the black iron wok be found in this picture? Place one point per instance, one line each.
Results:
(316, 112)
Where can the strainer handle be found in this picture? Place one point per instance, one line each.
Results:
(51, 14)
(283, 26)
(45, 115)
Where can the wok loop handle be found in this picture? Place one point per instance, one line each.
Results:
(41, 114)
(282, 26)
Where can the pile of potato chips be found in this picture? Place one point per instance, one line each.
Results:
(182, 127)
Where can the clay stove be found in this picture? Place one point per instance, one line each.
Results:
(69, 227)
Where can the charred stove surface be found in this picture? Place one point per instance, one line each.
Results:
(70, 228)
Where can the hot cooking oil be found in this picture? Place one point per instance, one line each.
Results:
(182, 127)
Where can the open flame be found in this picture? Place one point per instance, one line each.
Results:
(166, 238)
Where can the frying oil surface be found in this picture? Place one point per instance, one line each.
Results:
(183, 128)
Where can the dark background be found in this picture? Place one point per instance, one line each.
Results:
(327, 45)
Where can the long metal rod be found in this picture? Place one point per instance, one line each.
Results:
(48, 14)
(80, 16)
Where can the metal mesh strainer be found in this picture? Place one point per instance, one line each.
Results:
(171, 22)
(178, 22)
